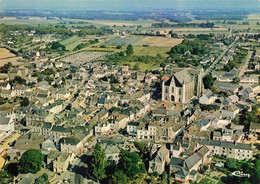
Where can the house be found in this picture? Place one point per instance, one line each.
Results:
(62, 94)
(6, 124)
(159, 159)
(112, 154)
(234, 150)
(187, 169)
(132, 129)
(207, 98)
(104, 128)
(59, 161)
(71, 145)
(54, 108)
(254, 128)
(230, 111)
(5, 85)
(7, 93)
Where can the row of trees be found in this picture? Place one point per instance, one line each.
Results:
(84, 45)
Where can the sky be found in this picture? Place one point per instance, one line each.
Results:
(128, 4)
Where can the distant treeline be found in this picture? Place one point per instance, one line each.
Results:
(220, 15)
(201, 25)
(44, 29)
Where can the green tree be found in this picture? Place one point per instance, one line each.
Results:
(236, 80)
(98, 163)
(118, 177)
(131, 164)
(136, 67)
(19, 80)
(31, 161)
(231, 163)
(57, 46)
(39, 180)
(25, 102)
(208, 81)
(5, 178)
(130, 50)
(45, 177)
(143, 149)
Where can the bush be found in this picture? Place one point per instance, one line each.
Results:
(31, 161)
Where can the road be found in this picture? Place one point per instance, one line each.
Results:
(220, 57)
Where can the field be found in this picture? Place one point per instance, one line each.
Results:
(144, 23)
(143, 66)
(71, 42)
(124, 41)
(4, 53)
(11, 60)
(159, 41)
(151, 51)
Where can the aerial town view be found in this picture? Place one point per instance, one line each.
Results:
(129, 91)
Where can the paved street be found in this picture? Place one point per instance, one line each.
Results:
(220, 57)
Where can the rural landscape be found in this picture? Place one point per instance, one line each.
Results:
(120, 91)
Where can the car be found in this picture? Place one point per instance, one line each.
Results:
(59, 182)
(70, 180)
(131, 140)
(65, 181)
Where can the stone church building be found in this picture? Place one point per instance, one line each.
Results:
(182, 86)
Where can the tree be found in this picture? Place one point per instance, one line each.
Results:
(19, 80)
(45, 177)
(214, 89)
(31, 161)
(236, 80)
(57, 46)
(118, 177)
(5, 178)
(98, 163)
(39, 180)
(162, 65)
(130, 164)
(208, 81)
(143, 149)
(231, 163)
(25, 102)
(129, 50)
(136, 67)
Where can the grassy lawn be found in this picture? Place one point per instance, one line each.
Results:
(71, 42)
(151, 51)
(143, 66)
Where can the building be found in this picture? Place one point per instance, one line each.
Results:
(6, 124)
(182, 86)
(234, 150)
(59, 161)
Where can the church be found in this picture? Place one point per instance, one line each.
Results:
(182, 86)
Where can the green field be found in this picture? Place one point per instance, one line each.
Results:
(124, 41)
(143, 66)
(71, 42)
(151, 51)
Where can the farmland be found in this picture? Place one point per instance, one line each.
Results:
(124, 41)
(151, 51)
(159, 41)
(4, 53)
(71, 42)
